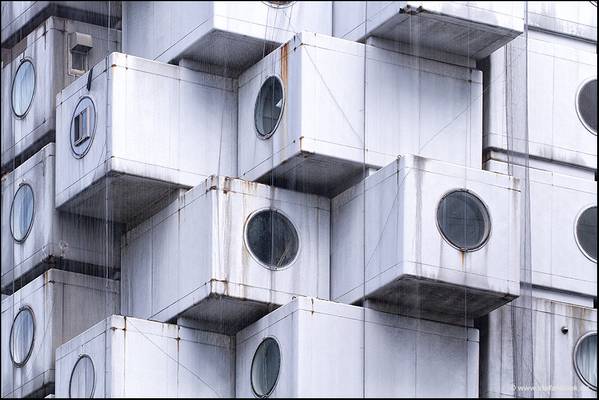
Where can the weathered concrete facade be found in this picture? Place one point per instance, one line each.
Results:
(293, 199)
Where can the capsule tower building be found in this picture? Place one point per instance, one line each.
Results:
(299, 199)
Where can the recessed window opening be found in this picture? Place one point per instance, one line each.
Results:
(272, 238)
(269, 107)
(585, 359)
(586, 104)
(23, 89)
(83, 378)
(21, 337)
(463, 220)
(83, 126)
(266, 365)
(586, 232)
(22, 213)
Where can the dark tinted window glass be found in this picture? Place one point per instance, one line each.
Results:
(463, 220)
(272, 238)
(265, 367)
(587, 104)
(269, 107)
(586, 232)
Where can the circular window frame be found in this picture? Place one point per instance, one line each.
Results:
(274, 386)
(249, 249)
(489, 228)
(12, 88)
(576, 105)
(82, 356)
(284, 105)
(281, 6)
(10, 337)
(582, 250)
(11, 218)
(93, 133)
(576, 368)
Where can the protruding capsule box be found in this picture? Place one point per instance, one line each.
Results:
(55, 54)
(225, 253)
(36, 236)
(429, 238)
(318, 110)
(130, 357)
(473, 29)
(132, 131)
(315, 348)
(50, 310)
(227, 35)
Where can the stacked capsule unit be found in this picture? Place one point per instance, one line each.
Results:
(58, 270)
(298, 199)
(559, 158)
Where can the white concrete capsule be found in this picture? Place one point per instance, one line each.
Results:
(561, 101)
(19, 18)
(37, 237)
(225, 253)
(561, 345)
(302, 113)
(140, 130)
(55, 54)
(41, 316)
(563, 231)
(229, 35)
(130, 357)
(315, 348)
(471, 28)
(570, 18)
(434, 238)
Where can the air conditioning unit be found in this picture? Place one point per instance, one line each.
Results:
(225, 253)
(431, 238)
(135, 130)
(472, 29)
(563, 230)
(551, 346)
(19, 18)
(311, 118)
(37, 237)
(229, 35)
(42, 315)
(561, 102)
(54, 55)
(129, 357)
(576, 18)
(315, 348)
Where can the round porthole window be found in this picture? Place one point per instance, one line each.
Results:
(585, 359)
(586, 232)
(271, 238)
(463, 220)
(586, 104)
(21, 337)
(269, 107)
(265, 367)
(23, 88)
(279, 4)
(83, 379)
(21, 213)
(83, 126)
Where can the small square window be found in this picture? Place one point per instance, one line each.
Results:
(78, 62)
(82, 125)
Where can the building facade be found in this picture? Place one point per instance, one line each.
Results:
(299, 199)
